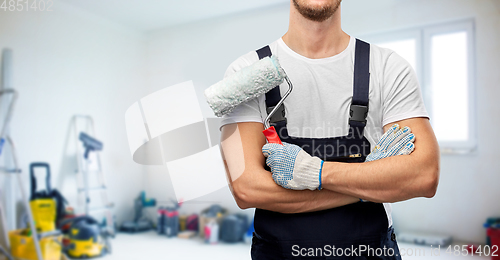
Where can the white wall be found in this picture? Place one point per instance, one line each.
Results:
(467, 193)
(67, 62)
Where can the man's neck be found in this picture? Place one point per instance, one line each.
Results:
(315, 40)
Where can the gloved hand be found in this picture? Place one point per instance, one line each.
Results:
(292, 167)
(395, 141)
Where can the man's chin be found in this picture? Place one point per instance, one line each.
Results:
(317, 11)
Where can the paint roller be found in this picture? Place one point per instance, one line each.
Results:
(89, 143)
(247, 83)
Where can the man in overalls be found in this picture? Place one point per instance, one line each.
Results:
(318, 196)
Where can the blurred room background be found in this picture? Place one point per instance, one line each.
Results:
(97, 58)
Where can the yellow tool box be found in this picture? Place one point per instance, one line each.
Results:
(44, 214)
(23, 247)
(47, 205)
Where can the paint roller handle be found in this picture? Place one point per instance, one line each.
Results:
(272, 135)
(270, 132)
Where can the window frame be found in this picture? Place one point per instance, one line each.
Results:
(423, 49)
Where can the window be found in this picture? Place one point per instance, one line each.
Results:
(443, 58)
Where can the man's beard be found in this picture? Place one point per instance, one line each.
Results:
(317, 14)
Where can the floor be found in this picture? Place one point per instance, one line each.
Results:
(150, 246)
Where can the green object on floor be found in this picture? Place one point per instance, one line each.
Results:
(140, 222)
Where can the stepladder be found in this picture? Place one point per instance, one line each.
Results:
(93, 195)
(12, 171)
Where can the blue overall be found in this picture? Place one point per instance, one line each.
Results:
(359, 225)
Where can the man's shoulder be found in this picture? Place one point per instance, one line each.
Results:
(386, 59)
(241, 62)
(381, 53)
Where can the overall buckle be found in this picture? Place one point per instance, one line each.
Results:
(278, 116)
(358, 113)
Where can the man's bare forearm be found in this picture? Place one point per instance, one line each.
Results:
(258, 190)
(388, 180)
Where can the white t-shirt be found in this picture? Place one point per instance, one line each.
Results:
(318, 105)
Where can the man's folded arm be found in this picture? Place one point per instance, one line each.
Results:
(253, 187)
(394, 178)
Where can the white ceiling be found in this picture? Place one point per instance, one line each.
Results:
(145, 15)
(497, 3)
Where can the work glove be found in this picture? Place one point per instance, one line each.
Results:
(395, 141)
(292, 167)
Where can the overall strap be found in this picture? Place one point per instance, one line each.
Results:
(274, 95)
(359, 105)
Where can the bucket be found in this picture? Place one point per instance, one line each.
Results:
(494, 234)
(23, 246)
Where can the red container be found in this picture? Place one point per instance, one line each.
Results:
(494, 234)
